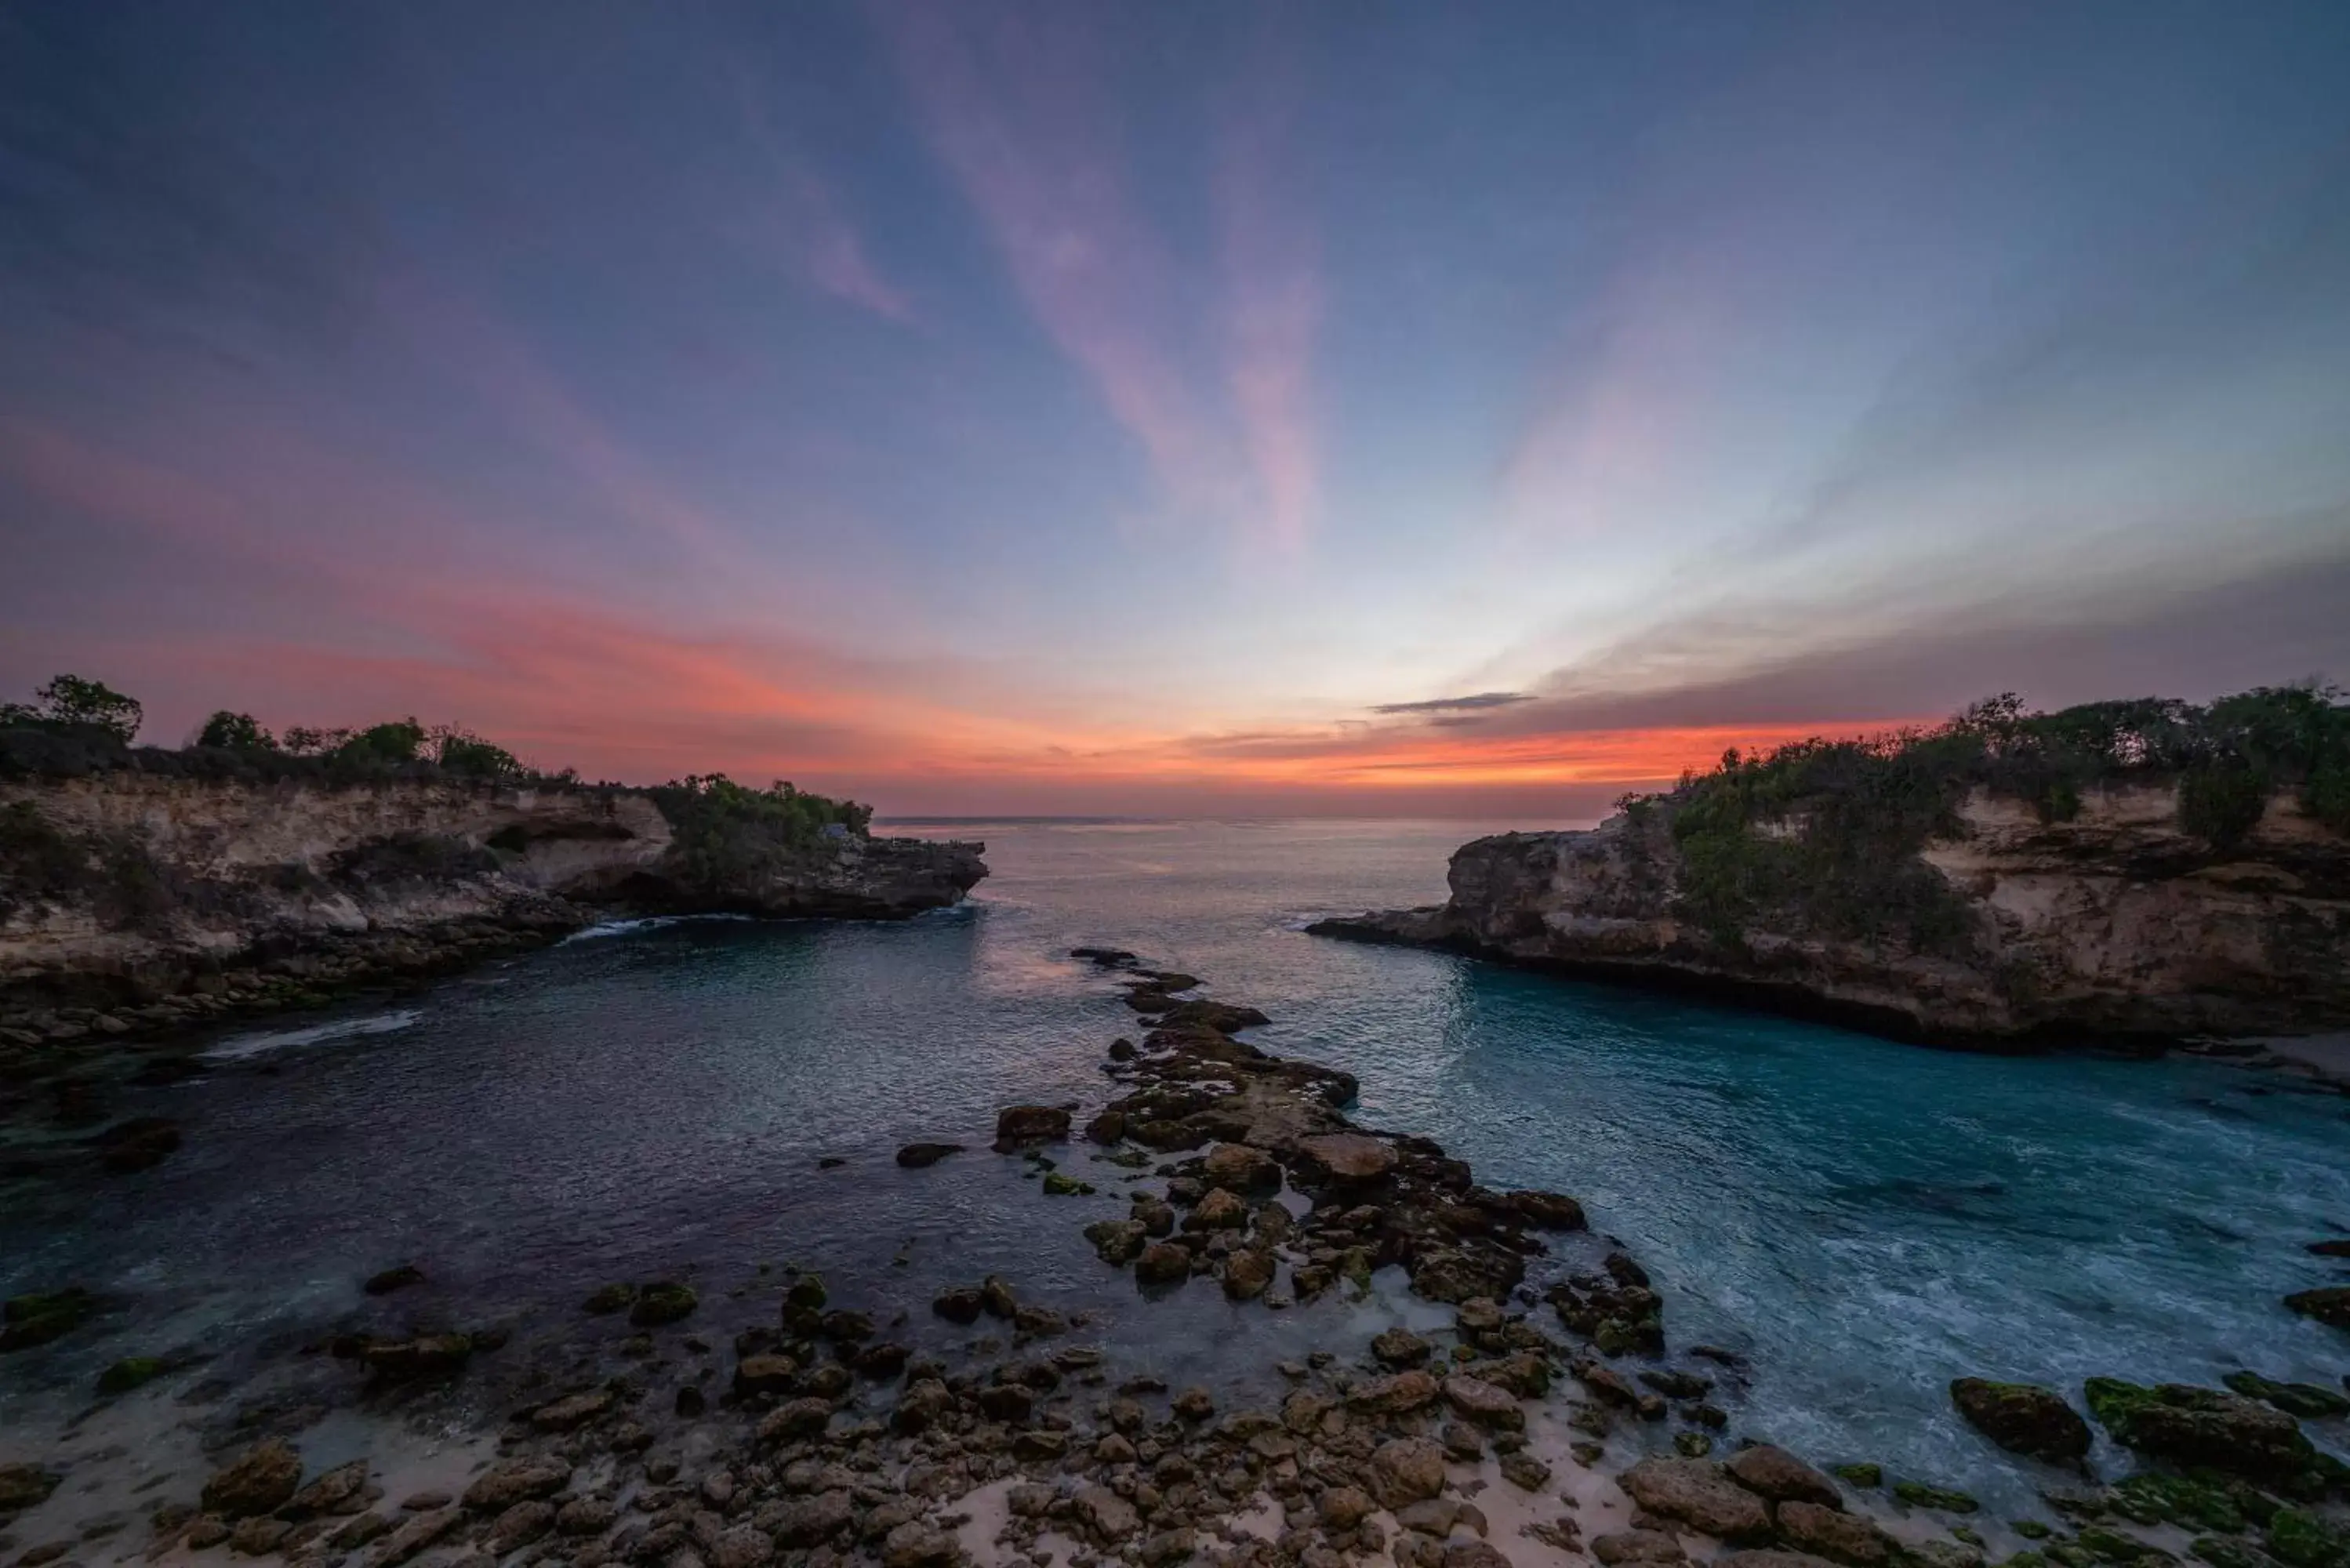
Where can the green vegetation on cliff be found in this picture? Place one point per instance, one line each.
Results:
(1826, 832)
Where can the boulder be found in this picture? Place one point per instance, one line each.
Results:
(1344, 1507)
(1479, 1401)
(662, 1301)
(336, 1492)
(1840, 1537)
(1700, 1494)
(2308, 1401)
(261, 1479)
(1247, 1272)
(2022, 1419)
(801, 1418)
(1396, 1396)
(922, 1155)
(2329, 1304)
(1221, 1210)
(414, 1360)
(1109, 1516)
(1117, 1242)
(1400, 1347)
(1638, 1546)
(805, 1522)
(960, 1304)
(1241, 1169)
(1163, 1263)
(1022, 1126)
(1547, 1210)
(1782, 1477)
(1344, 1158)
(573, 1411)
(1405, 1470)
(393, 1279)
(1474, 1554)
(1777, 1559)
(510, 1481)
(22, 1486)
(765, 1373)
(2190, 1426)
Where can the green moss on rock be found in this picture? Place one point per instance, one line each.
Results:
(1918, 1494)
(129, 1373)
(662, 1301)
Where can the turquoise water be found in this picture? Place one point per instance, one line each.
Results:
(1864, 1219)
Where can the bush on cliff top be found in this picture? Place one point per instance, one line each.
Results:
(1828, 831)
(724, 829)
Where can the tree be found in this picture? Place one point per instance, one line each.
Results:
(236, 731)
(71, 700)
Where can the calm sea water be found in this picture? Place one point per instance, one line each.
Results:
(1865, 1219)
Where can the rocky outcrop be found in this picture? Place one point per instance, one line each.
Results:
(125, 891)
(2114, 923)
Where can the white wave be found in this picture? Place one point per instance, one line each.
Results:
(642, 923)
(240, 1047)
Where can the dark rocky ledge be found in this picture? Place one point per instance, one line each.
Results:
(2115, 927)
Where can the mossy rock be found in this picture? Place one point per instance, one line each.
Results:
(1059, 1185)
(611, 1298)
(2024, 1560)
(1860, 1475)
(806, 1292)
(2191, 1426)
(27, 1321)
(2221, 1552)
(2022, 1419)
(2301, 1539)
(1918, 1494)
(2310, 1401)
(129, 1373)
(2030, 1528)
(2195, 1502)
(662, 1301)
(2329, 1304)
(2113, 1546)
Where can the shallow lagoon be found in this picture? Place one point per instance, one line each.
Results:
(1863, 1220)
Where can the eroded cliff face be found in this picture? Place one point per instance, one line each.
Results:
(158, 897)
(2113, 923)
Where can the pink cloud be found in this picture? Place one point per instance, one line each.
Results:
(1017, 111)
(807, 223)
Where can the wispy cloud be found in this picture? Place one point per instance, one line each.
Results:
(1474, 702)
(806, 221)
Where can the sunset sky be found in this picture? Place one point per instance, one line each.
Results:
(1192, 407)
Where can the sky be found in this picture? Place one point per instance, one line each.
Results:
(1364, 407)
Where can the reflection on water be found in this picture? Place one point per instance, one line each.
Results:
(1866, 1220)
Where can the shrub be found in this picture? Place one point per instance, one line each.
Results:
(724, 829)
(69, 700)
(236, 732)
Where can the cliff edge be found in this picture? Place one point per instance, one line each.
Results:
(1940, 908)
(168, 887)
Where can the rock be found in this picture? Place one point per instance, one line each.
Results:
(420, 1532)
(2329, 1304)
(1021, 1127)
(140, 1143)
(1221, 1210)
(1692, 1445)
(1345, 1157)
(850, 1327)
(922, 1155)
(812, 1521)
(1607, 1386)
(662, 1301)
(997, 1298)
(1547, 1210)
(1163, 1263)
(1478, 1400)
(800, 1418)
(1462, 1273)
(1194, 1403)
(398, 1278)
(586, 1516)
(1840, 1537)
(958, 1305)
(1057, 1184)
(518, 1526)
(1116, 1241)
(1169, 1547)
(1247, 1272)
(915, 1544)
(1775, 1560)
(25, 1486)
(807, 1293)
(333, 1492)
(1700, 1494)
(130, 1373)
(2022, 1419)
(1109, 1128)
(35, 1319)
(1109, 1516)
(1240, 1169)
(259, 1480)
(1345, 1507)
(510, 1481)
(1400, 1347)
(1782, 1477)
(2306, 1400)
(1405, 1470)
(925, 1403)
(1220, 1016)
(2190, 1426)
(259, 1535)
(357, 1532)
(883, 1361)
(1473, 1555)
(1638, 1546)
(608, 1298)
(1398, 1394)
(1918, 1494)
(765, 1373)
(415, 1360)
(1525, 1471)
(571, 1412)
(1860, 1475)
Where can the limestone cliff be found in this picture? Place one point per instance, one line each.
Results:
(155, 896)
(2115, 923)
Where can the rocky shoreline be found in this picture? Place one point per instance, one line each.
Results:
(2005, 931)
(1551, 1421)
